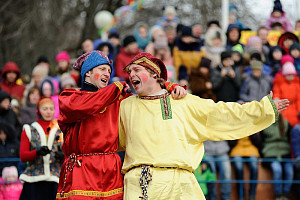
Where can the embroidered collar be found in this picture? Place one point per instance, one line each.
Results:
(161, 94)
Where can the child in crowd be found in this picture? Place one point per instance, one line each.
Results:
(278, 15)
(204, 175)
(142, 35)
(275, 56)
(11, 188)
(200, 83)
(295, 53)
(286, 86)
(10, 74)
(257, 85)
(169, 18)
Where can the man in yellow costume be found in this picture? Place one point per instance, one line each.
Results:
(163, 137)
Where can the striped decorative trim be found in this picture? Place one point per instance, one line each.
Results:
(90, 193)
(119, 85)
(274, 107)
(170, 85)
(146, 60)
(166, 109)
(154, 97)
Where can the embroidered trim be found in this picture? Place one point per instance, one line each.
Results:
(170, 85)
(166, 109)
(146, 60)
(154, 97)
(274, 107)
(90, 193)
(119, 85)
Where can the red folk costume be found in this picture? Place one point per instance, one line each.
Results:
(89, 121)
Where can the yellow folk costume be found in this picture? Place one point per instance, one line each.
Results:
(163, 139)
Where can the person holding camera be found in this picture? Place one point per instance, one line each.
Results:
(41, 149)
(226, 79)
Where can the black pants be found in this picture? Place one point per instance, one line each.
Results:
(42, 190)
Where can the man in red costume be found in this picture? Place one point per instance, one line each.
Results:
(89, 120)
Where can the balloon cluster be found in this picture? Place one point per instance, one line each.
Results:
(104, 20)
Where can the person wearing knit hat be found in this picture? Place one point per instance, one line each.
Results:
(289, 69)
(287, 85)
(41, 147)
(11, 188)
(63, 61)
(286, 58)
(278, 15)
(10, 74)
(90, 116)
(255, 64)
(156, 130)
(67, 81)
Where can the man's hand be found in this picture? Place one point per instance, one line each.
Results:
(281, 104)
(178, 92)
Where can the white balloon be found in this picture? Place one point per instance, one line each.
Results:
(103, 19)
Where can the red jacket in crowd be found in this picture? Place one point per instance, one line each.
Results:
(12, 88)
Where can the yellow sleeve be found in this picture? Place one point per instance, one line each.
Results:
(230, 121)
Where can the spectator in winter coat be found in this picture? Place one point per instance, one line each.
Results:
(257, 85)
(11, 188)
(226, 80)
(262, 33)
(233, 34)
(9, 146)
(278, 15)
(276, 145)
(275, 56)
(286, 40)
(128, 51)
(247, 147)
(142, 35)
(10, 74)
(200, 84)
(215, 42)
(28, 111)
(286, 86)
(187, 51)
(8, 115)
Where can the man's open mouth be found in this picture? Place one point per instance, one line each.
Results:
(135, 82)
(104, 80)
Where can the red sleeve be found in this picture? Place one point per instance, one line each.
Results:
(25, 153)
(170, 86)
(78, 105)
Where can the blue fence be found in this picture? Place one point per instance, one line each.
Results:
(251, 181)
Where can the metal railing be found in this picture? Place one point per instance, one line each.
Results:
(242, 182)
